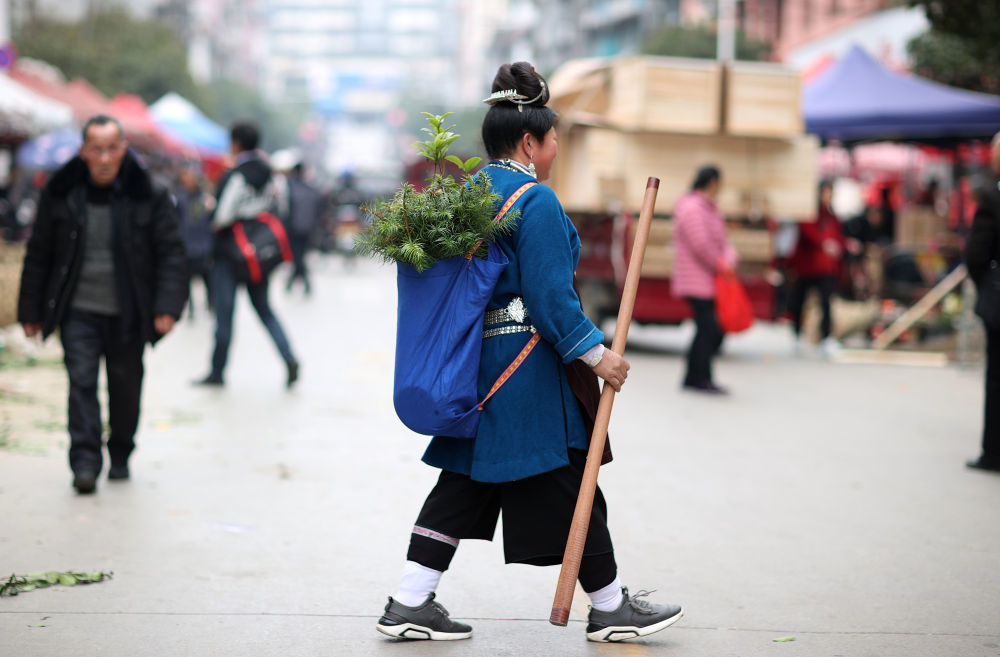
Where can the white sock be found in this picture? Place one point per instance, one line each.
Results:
(418, 582)
(608, 598)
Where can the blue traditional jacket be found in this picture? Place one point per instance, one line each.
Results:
(528, 425)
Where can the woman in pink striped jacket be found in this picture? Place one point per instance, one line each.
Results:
(700, 251)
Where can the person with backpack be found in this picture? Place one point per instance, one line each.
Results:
(527, 458)
(244, 192)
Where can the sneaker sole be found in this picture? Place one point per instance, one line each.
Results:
(617, 633)
(419, 632)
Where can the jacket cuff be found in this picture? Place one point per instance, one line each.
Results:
(579, 340)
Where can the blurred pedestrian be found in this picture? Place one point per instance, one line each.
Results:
(982, 253)
(816, 263)
(347, 218)
(244, 192)
(527, 458)
(701, 250)
(305, 205)
(193, 208)
(887, 205)
(106, 266)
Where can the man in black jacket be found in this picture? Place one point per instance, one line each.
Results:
(106, 266)
(984, 246)
(305, 205)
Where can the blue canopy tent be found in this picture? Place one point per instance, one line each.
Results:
(857, 99)
(187, 124)
(50, 151)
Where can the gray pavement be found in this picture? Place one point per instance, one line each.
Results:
(823, 502)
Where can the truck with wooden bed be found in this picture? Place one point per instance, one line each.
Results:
(624, 119)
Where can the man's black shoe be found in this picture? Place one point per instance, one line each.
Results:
(85, 481)
(210, 380)
(982, 463)
(118, 473)
(293, 373)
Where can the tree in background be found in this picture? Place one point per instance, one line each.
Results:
(961, 47)
(113, 51)
(117, 53)
(700, 42)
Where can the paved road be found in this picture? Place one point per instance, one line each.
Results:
(822, 502)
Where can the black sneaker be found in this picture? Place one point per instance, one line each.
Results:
(983, 463)
(634, 618)
(428, 621)
(211, 380)
(293, 373)
(85, 481)
(118, 473)
(706, 387)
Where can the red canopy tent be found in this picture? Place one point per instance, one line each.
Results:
(86, 101)
(88, 93)
(84, 105)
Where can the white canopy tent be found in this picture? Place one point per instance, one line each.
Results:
(25, 113)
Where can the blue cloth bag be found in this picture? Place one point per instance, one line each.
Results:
(439, 336)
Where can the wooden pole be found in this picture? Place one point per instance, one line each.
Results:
(920, 308)
(588, 486)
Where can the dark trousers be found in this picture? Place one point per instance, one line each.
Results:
(537, 513)
(201, 267)
(224, 285)
(706, 341)
(825, 285)
(299, 245)
(991, 420)
(86, 337)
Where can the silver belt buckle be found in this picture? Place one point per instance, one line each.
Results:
(517, 310)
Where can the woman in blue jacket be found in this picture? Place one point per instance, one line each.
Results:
(528, 456)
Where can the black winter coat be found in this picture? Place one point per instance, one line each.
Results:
(150, 262)
(983, 244)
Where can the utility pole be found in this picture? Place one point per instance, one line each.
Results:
(4, 21)
(726, 41)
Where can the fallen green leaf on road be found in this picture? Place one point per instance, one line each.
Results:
(23, 583)
(784, 639)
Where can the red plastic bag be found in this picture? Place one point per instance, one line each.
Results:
(732, 304)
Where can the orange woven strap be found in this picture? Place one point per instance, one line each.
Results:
(503, 211)
(509, 372)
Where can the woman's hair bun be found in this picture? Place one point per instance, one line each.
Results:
(521, 76)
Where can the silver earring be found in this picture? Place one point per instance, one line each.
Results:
(531, 169)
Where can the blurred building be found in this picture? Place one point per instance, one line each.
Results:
(225, 38)
(548, 33)
(788, 24)
(479, 22)
(352, 56)
(357, 63)
(799, 31)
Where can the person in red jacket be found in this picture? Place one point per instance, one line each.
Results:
(816, 262)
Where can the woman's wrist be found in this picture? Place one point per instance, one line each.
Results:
(593, 355)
